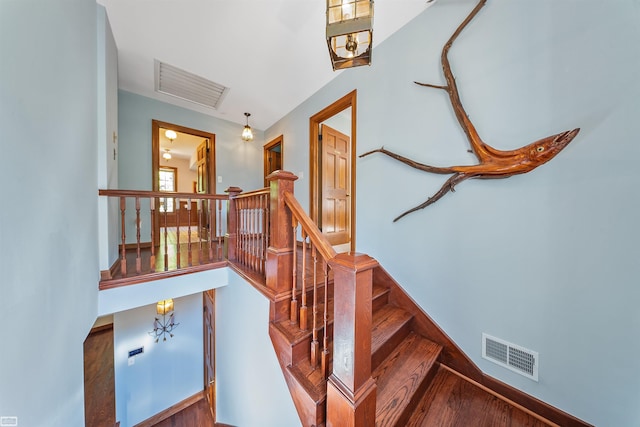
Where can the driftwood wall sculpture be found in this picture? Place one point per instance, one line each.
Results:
(493, 163)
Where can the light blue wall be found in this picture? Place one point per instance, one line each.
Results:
(238, 163)
(546, 260)
(108, 212)
(250, 386)
(48, 219)
(166, 372)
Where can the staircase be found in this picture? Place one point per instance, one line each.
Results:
(356, 350)
(414, 387)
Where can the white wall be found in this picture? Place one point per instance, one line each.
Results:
(546, 260)
(48, 220)
(166, 372)
(250, 387)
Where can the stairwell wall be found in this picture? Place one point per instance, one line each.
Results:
(546, 260)
(49, 218)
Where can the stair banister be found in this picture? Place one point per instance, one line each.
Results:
(279, 261)
(351, 391)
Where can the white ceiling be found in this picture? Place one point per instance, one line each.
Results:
(272, 54)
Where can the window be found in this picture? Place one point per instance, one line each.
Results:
(168, 182)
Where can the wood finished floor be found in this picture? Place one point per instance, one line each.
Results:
(451, 401)
(99, 383)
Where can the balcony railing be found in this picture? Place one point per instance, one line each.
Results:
(164, 234)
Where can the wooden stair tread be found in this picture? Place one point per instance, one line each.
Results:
(402, 377)
(386, 322)
(292, 331)
(451, 400)
(310, 379)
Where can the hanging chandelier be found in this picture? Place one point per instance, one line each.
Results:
(349, 32)
(165, 326)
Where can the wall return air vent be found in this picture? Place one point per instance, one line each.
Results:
(511, 356)
(182, 84)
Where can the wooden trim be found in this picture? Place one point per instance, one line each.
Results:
(175, 175)
(529, 403)
(149, 277)
(130, 246)
(171, 410)
(111, 272)
(349, 100)
(102, 328)
(279, 140)
(155, 159)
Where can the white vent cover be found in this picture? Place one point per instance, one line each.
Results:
(182, 84)
(511, 356)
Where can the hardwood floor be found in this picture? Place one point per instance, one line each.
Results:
(99, 383)
(197, 414)
(452, 401)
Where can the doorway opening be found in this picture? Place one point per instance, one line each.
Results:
(182, 162)
(332, 154)
(273, 155)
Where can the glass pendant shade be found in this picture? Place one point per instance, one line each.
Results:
(349, 32)
(164, 306)
(247, 133)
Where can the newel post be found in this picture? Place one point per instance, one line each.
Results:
(232, 222)
(351, 392)
(279, 261)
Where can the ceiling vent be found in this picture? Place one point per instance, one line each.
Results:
(511, 356)
(182, 84)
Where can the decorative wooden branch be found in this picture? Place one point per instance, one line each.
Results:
(493, 163)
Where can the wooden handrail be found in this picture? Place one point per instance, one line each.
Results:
(260, 191)
(318, 239)
(144, 193)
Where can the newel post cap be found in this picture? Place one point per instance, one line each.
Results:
(280, 174)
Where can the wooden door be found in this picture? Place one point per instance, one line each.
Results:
(336, 180)
(202, 184)
(209, 350)
(272, 157)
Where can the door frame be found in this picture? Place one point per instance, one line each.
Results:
(265, 153)
(349, 100)
(155, 160)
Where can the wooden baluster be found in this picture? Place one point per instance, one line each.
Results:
(199, 207)
(152, 211)
(256, 236)
(294, 300)
(219, 239)
(243, 232)
(123, 258)
(314, 341)
(232, 224)
(267, 231)
(304, 324)
(166, 237)
(138, 256)
(189, 254)
(176, 206)
(325, 322)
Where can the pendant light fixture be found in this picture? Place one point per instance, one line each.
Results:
(171, 135)
(166, 155)
(247, 133)
(349, 32)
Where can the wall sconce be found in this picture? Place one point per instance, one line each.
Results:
(166, 326)
(247, 133)
(349, 32)
(166, 155)
(171, 135)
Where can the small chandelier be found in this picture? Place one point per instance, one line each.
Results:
(171, 135)
(247, 133)
(166, 326)
(349, 32)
